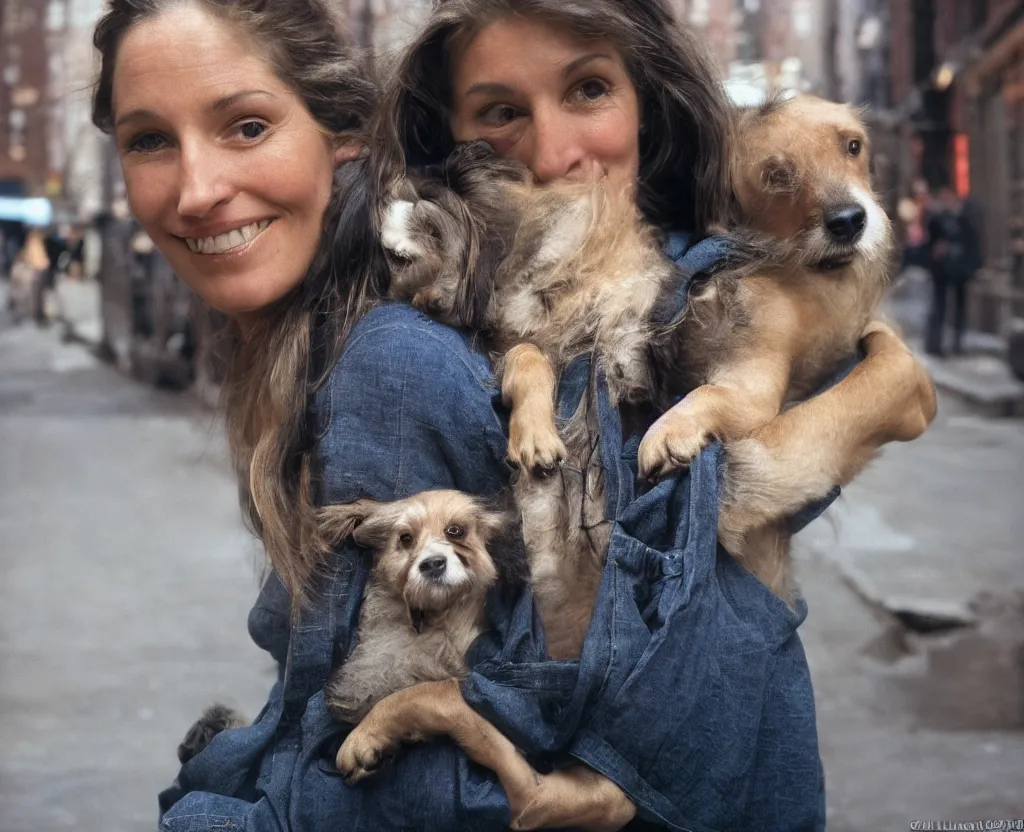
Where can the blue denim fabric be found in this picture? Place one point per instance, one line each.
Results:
(692, 692)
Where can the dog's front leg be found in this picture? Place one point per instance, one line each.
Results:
(432, 709)
(576, 796)
(739, 399)
(528, 388)
(802, 454)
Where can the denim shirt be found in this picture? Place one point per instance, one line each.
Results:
(692, 692)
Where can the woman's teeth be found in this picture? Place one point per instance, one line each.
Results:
(223, 243)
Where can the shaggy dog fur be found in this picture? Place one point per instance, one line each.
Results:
(215, 719)
(436, 555)
(548, 273)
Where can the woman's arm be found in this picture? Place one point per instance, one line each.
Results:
(802, 454)
(409, 407)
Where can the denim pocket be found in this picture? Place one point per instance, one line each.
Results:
(681, 700)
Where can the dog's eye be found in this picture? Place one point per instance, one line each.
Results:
(455, 531)
(854, 147)
(405, 539)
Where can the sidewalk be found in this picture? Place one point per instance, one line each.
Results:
(931, 537)
(981, 378)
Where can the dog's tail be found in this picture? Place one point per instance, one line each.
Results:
(215, 719)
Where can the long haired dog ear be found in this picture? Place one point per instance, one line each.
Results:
(505, 541)
(341, 522)
(475, 174)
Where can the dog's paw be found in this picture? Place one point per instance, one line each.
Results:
(362, 753)
(534, 445)
(671, 444)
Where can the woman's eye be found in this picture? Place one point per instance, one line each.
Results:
(455, 531)
(592, 90)
(147, 142)
(252, 129)
(498, 115)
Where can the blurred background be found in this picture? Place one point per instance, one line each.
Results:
(126, 575)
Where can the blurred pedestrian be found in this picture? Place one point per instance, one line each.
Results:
(25, 299)
(12, 238)
(952, 253)
(913, 213)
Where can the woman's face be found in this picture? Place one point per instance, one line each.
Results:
(564, 107)
(225, 168)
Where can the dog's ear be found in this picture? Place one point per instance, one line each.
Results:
(504, 523)
(780, 175)
(359, 521)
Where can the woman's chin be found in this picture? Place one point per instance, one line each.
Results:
(245, 296)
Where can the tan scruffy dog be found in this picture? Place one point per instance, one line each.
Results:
(436, 555)
(772, 332)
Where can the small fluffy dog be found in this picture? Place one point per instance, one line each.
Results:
(550, 272)
(436, 555)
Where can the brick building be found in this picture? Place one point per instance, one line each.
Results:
(24, 101)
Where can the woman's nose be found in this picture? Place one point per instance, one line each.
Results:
(205, 182)
(557, 151)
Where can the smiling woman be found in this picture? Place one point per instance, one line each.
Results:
(225, 167)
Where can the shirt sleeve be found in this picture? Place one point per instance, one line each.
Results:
(409, 407)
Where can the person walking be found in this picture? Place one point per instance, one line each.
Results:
(948, 240)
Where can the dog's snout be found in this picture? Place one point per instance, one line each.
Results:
(434, 566)
(846, 222)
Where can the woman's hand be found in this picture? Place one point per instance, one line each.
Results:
(802, 454)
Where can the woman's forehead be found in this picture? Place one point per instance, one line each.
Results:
(522, 48)
(186, 53)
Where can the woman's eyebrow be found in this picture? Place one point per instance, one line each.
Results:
(583, 60)
(491, 88)
(226, 101)
(135, 115)
(217, 106)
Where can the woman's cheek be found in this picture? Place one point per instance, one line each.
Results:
(146, 191)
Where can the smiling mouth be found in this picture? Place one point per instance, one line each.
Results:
(226, 243)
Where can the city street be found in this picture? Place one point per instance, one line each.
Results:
(127, 577)
(125, 581)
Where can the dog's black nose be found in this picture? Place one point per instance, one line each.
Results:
(846, 222)
(433, 567)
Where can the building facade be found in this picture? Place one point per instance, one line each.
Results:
(957, 73)
(24, 97)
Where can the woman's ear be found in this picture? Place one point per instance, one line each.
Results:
(347, 150)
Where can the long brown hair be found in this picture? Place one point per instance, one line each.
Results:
(276, 369)
(685, 138)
